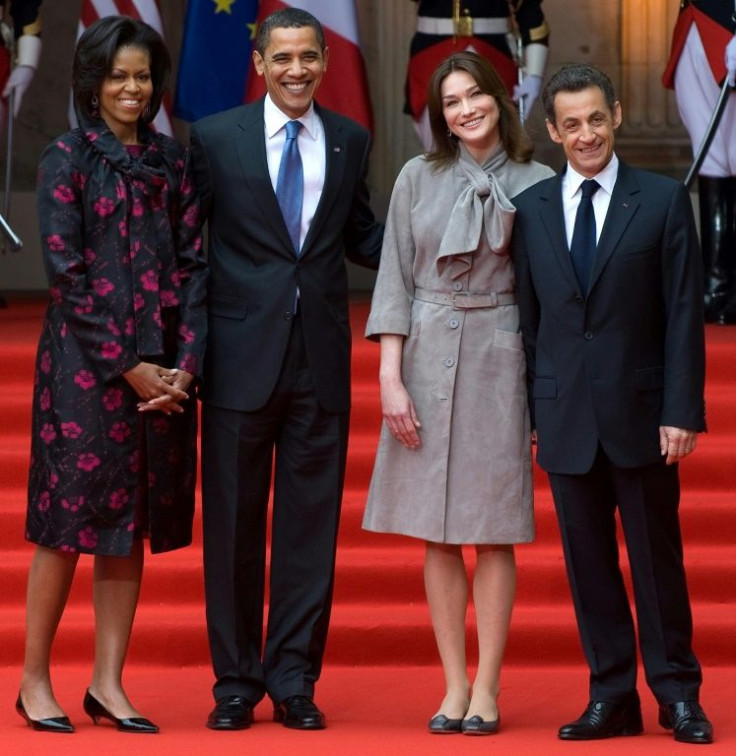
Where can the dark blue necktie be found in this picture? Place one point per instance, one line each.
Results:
(290, 184)
(582, 247)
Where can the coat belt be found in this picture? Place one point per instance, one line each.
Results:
(465, 300)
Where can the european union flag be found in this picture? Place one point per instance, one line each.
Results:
(215, 56)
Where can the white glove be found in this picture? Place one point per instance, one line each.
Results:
(529, 90)
(731, 61)
(18, 82)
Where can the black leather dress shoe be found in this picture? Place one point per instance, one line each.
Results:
(96, 711)
(231, 713)
(52, 724)
(605, 720)
(688, 722)
(476, 725)
(299, 713)
(442, 725)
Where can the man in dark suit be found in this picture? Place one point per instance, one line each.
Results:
(277, 372)
(615, 353)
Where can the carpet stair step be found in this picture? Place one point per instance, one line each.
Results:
(713, 461)
(706, 517)
(367, 634)
(15, 408)
(365, 575)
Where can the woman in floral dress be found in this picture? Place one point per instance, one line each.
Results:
(113, 455)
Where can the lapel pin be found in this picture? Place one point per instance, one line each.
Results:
(626, 204)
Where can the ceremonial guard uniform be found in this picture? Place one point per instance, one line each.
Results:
(696, 71)
(485, 26)
(25, 40)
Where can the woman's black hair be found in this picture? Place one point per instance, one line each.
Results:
(95, 54)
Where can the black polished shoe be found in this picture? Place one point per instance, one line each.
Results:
(442, 725)
(299, 713)
(96, 711)
(231, 713)
(52, 724)
(605, 720)
(688, 722)
(476, 725)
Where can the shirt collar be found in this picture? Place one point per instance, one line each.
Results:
(606, 178)
(275, 118)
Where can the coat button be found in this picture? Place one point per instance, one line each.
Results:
(288, 315)
(449, 361)
(457, 286)
(454, 323)
(578, 298)
(588, 335)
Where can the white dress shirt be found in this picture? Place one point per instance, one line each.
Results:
(311, 142)
(571, 194)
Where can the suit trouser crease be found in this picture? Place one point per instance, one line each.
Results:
(647, 499)
(238, 449)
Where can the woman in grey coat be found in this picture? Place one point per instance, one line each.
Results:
(453, 465)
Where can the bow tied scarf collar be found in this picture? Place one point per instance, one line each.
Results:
(481, 206)
(139, 203)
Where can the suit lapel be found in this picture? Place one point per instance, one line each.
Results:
(335, 147)
(624, 204)
(250, 145)
(553, 218)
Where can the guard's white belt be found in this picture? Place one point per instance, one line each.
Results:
(427, 25)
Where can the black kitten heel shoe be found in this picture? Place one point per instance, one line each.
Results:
(96, 711)
(53, 724)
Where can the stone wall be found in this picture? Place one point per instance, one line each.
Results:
(627, 38)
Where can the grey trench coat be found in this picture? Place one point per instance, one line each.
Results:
(470, 481)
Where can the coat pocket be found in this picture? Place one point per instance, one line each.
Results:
(507, 339)
(227, 307)
(649, 379)
(545, 388)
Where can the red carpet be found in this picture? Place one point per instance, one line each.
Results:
(381, 662)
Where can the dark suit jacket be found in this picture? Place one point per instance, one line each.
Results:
(254, 273)
(613, 367)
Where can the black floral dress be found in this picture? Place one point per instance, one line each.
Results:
(120, 235)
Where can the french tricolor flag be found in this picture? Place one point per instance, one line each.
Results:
(344, 88)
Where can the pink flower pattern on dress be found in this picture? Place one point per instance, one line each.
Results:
(45, 399)
(73, 505)
(85, 380)
(102, 286)
(88, 461)
(168, 298)
(44, 501)
(64, 194)
(88, 538)
(104, 207)
(118, 499)
(149, 280)
(186, 334)
(112, 399)
(120, 432)
(48, 433)
(55, 243)
(70, 430)
(45, 363)
(111, 350)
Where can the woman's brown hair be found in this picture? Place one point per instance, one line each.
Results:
(445, 150)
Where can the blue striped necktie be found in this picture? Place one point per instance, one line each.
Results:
(290, 184)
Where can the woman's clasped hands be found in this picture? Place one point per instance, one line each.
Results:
(160, 389)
